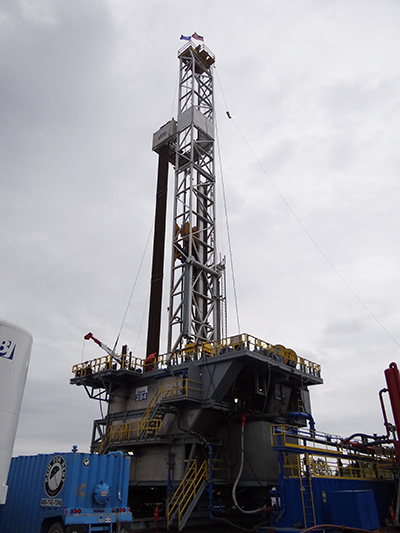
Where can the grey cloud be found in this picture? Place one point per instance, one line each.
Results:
(83, 87)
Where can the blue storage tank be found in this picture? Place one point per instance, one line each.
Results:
(78, 489)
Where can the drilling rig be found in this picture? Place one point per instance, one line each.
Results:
(195, 420)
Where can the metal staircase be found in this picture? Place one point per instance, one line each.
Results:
(152, 419)
(148, 426)
(187, 495)
(155, 412)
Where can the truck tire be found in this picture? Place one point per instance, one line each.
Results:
(57, 527)
(122, 527)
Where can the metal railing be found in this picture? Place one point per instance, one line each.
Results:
(187, 490)
(117, 433)
(152, 418)
(278, 353)
(325, 455)
(343, 467)
(304, 438)
(197, 48)
(181, 388)
(108, 362)
(191, 352)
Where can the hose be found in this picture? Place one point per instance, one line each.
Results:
(338, 528)
(307, 416)
(121, 455)
(244, 511)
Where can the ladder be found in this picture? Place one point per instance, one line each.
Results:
(307, 497)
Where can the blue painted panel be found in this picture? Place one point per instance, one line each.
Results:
(384, 492)
(354, 508)
(291, 514)
(42, 487)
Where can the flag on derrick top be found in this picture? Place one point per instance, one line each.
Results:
(186, 38)
(198, 37)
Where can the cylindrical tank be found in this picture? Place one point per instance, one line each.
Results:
(15, 351)
(393, 383)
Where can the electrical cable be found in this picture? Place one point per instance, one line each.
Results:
(244, 511)
(101, 409)
(145, 310)
(267, 389)
(83, 350)
(255, 528)
(303, 227)
(229, 422)
(175, 93)
(100, 400)
(231, 426)
(228, 229)
(339, 528)
(133, 288)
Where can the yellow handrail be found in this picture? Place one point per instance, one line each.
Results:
(169, 389)
(330, 455)
(305, 439)
(104, 441)
(152, 425)
(190, 493)
(132, 430)
(187, 489)
(307, 496)
(108, 362)
(344, 467)
(191, 352)
(174, 502)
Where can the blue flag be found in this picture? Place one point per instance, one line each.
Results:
(185, 38)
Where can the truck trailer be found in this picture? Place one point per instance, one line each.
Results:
(67, 493)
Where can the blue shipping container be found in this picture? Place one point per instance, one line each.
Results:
(81, 492)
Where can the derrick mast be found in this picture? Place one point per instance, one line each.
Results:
(175, 412)
(195, 299)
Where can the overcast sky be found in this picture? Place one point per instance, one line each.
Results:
(310, 161)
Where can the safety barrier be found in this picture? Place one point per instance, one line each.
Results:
(304, 438)
(325, 455)
(191, 352)
(156, 410)
(153, 416)
(236, 343)
(343, 467)
(187, 490)
(114, 434)
(108, 362)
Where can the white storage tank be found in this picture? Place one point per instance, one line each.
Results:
(15, 351)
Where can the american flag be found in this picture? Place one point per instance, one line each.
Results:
(198, 37)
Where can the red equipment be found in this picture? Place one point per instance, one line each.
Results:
(393, 382)
(102, 346)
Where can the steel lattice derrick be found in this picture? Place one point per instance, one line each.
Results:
(194, 314)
